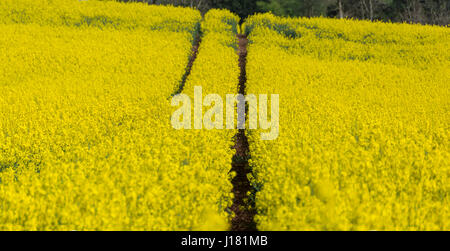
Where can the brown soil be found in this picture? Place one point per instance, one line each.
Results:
(243, 208)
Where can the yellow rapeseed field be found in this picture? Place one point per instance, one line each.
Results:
(89, 88)
(364, 124)
(101, 14)
(85, 136)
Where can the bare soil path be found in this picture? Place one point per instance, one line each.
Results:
(243, 208)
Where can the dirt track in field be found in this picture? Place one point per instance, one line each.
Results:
(243, 208)
(195, 46)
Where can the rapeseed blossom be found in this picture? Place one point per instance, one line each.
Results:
(85, 135)
(364, 141)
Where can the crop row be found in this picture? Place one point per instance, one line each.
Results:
(85, 135)
(364, 141)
